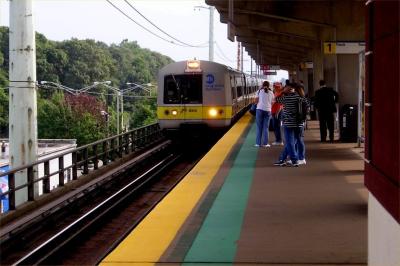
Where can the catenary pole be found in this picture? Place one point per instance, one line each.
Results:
(211, 35)
(22, 98)
(118, 96)
(122, 111)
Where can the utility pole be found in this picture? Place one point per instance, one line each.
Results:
(211, 36)
(22, 109)
(118, 95)
(210, 32)
(122, 111)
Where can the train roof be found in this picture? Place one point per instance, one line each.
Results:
(172, 66)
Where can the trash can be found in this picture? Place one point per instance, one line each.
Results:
(348, 123)
(313, 111)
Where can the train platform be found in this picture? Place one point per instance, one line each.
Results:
(236, 207)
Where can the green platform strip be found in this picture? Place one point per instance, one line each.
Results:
(216, 240)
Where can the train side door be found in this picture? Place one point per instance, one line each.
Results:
(234, 93)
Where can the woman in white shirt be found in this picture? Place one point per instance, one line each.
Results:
(263, 114)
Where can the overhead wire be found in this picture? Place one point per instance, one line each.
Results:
(222, 53)
(149, 31)
(137, 11)
(77, 92)
(222, 58)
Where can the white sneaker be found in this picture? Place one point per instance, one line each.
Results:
(277, 143)
(302, 161)
(256, 145)
(266, 146)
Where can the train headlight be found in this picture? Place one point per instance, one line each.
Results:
(174, 112)
(193, 66)
(213, 112)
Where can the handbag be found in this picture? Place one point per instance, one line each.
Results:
(253, 108)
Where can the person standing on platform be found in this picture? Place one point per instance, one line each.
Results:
(277, 116)
(291, 126)
(300, 145)
(325, 102)
(263, 114)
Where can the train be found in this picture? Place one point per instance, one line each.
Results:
(202, 94)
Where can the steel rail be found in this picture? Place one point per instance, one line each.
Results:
(53, 244)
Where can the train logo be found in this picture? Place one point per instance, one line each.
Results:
(210, 79)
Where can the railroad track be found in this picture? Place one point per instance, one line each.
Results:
(90, 231)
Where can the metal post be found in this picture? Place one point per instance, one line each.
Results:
(118, 93)
(22, 109)
(211, 36)
(241, 58)
(122, 111)
(238, 56)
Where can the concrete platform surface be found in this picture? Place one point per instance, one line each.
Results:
(247, 211)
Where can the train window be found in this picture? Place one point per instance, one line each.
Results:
(183, 89)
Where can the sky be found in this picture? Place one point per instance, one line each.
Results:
(97, 19)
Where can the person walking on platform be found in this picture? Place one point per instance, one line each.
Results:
(291, 125)
(325, 102)
(263, 114)
(276, 112)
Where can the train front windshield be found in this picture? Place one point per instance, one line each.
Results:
(183, 89)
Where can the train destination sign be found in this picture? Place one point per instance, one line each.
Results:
(270, 67)
(269, 73)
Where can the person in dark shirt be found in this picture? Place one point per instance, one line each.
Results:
(325, 101)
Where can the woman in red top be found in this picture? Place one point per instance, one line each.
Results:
(276, 112)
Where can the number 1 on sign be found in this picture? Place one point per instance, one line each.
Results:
(329, 48)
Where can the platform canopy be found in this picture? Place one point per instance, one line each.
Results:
(287, 33)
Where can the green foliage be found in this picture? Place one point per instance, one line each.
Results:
(64, 117)
(50, 60)
(88, 61)
(4, 57)
(3, 112)
(144, 114)
(86, 129)
(77, 64)
(53, 118)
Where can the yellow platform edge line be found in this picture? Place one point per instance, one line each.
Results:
(150, 239)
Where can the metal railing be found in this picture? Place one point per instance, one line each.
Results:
(96, 154)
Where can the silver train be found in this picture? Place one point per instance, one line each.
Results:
(197, 93)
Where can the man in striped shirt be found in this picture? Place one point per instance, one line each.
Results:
(292, 127)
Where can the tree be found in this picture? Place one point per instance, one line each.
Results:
(54, 117)
(50, 60)
(144, 114)
(77, 64)
(88, 61)
(4, 51)
(71, 117)
(3, 113)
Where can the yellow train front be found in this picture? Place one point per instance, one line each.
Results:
(195, 93)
